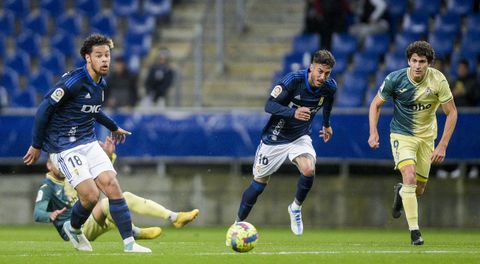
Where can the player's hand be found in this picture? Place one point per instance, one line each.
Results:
(32, 156)
(373, 141)
(438, 155)
(120, 135)
(108, 146)
(326, 133)
(55, 214)
(302, 113)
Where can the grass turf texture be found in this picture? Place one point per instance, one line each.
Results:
(41, 244)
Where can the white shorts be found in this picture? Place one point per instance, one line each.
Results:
(82, 162)
(270, 157)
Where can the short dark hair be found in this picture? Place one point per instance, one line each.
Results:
(422, 48)
(95, 40)
(324, 57)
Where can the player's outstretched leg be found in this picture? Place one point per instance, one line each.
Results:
(77, 237)
(184, 218)
(416, 237)
(397, 206)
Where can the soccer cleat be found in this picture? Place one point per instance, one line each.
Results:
(397, 206)
(416, 237)
(296, 223)
(149, 233)
(133, 247)
(184, 218)
(79, 241)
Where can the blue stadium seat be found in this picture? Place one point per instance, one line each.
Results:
(64, 42)
(105, 23)
(7, 23)
(54, 8)
(23, 98)
(9, 80)
(306, 43)
(353, 90)
(30, 43)
(3, 46)
(18, 8)
(20, 62)
(365, 62)
(344, 43)
(69, 23)
(443, 44)
(54, 61)
(295, 61)
(397, 8)
(460, 7)
(448, 23)
(430, 7)
(416, 23)
(139, 23)
(377, 44)
(402, 40)
(472, 23)
(395, 61)
(471, 43)
(137, 44)
(41, 81)
(78, 62)
(36, 22)
(341, 62)
(88, 8)
(158, 8)
(125, 7)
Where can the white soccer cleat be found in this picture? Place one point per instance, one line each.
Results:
(296, 223)
(133, 247)
(78, 239)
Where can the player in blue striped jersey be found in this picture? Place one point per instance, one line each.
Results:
(64, 128)
(293, 103)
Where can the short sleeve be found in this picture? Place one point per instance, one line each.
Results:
(444, 93)
(386, 89)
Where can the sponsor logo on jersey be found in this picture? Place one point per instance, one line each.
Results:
(88, 96)
(402, 90)
(420, 107)
(57, 94)
(91, 108)
(277, 90)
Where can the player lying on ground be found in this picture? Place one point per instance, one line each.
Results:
(56, 197)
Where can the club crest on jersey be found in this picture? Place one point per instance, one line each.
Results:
(277, 90)
(57, 94)
(320, 102)
(428, 91)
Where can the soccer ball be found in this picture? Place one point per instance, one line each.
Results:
(242, 237)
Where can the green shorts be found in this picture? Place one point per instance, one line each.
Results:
(408, 150)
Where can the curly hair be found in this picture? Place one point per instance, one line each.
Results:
(422, 48)
(95, 40)
(324, 57)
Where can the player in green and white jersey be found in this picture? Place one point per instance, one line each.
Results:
(417, 91)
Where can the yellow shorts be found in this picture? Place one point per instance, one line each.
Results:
(412, 150)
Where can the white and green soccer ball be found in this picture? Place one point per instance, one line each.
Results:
(242, 237)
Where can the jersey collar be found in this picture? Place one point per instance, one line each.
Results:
(90, 77)
(52, 178)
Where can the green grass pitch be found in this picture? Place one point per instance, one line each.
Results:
(41, 244)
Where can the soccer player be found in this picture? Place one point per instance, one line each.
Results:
(64, 128)
(417, 91)
(293, 103)
(56, 197)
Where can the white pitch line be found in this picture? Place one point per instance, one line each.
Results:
(336, 252)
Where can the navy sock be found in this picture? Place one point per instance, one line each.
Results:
(304, 185)
(79, 215)
(249, 199)
(121, 216)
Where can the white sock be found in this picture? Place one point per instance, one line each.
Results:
(128, 240)
(135, 231)
(295, 206)
(173, 216)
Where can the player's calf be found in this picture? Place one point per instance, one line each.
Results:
(397, 206)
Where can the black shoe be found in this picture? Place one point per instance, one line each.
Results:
(397, 206)
(416, 237)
